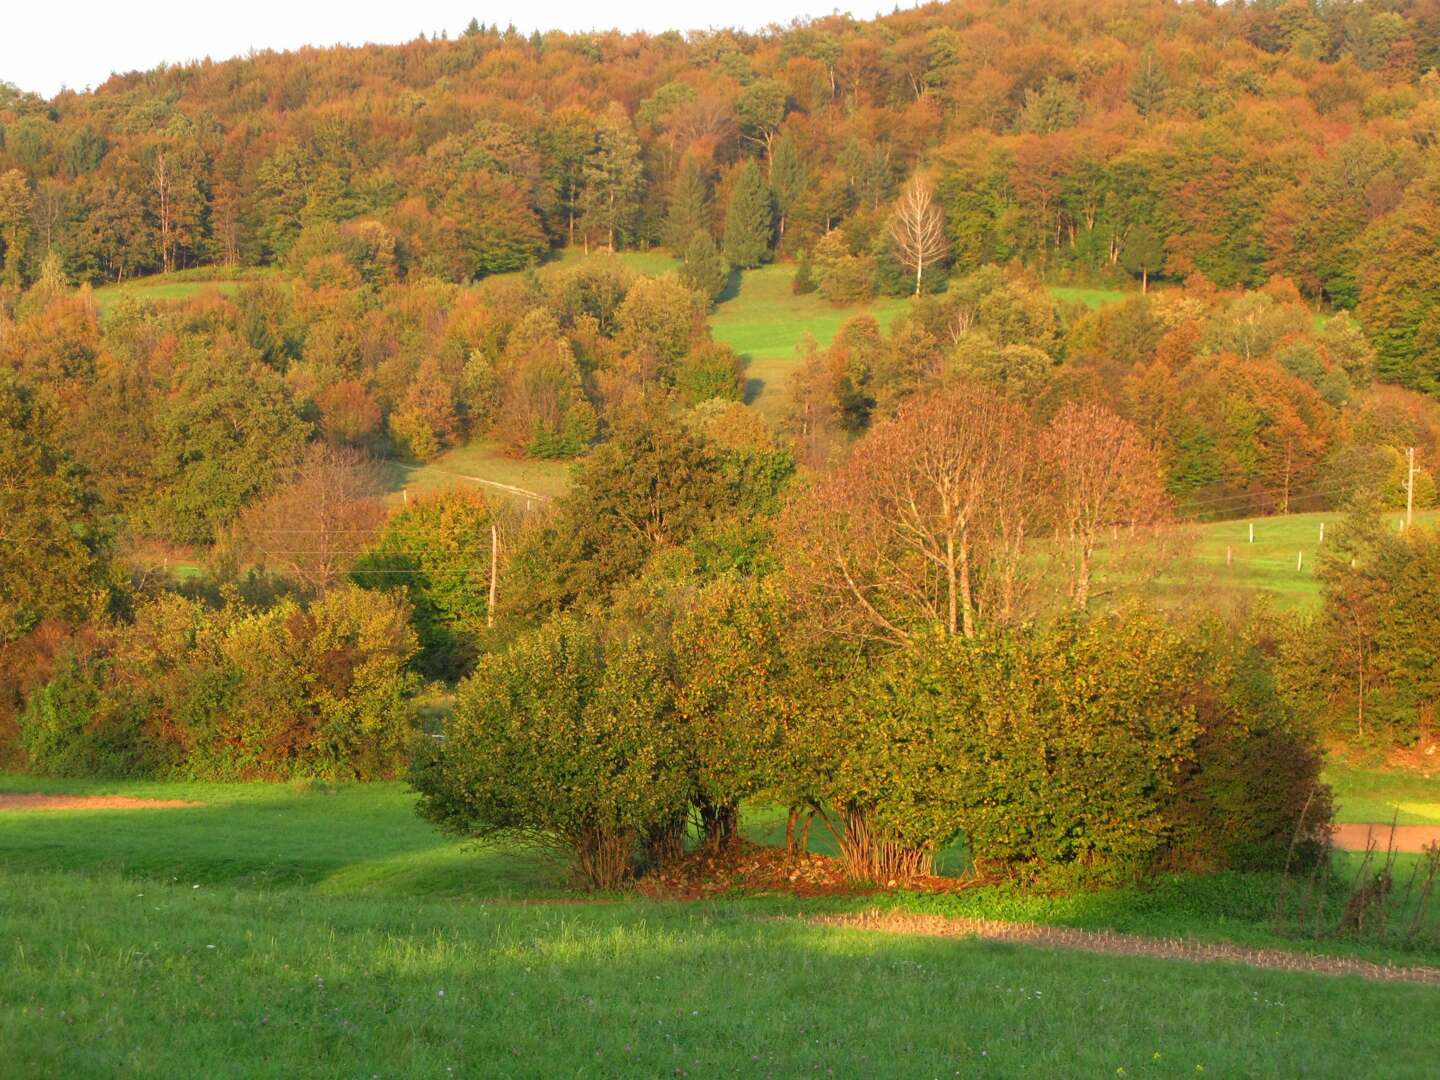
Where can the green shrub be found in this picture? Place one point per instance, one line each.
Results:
(429, 551)
(1250, 797)
(564, 741)
(68, 729)
(842, 276)
(729, 667)
(803, 283)
(236, 694)
(710, 370)
(1093, 750)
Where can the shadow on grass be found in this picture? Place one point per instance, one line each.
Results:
(360, 837)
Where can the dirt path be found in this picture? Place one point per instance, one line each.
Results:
(34, 800)
(1412, 839)
(1109, 942)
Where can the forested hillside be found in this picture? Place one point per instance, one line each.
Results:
(1127, 137)
(712, 270)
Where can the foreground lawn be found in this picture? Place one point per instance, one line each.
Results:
(281, 930)
(107, 976)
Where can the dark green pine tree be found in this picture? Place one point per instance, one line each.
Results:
(705, 269)
(749, 220)
(689, 210)
(1149, 84)
(789, 178)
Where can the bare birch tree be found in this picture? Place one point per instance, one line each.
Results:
(918, 228)
(1102, 478)
(316, 525)
(916, 527)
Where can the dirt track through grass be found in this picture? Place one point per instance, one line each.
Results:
(1108, 942)
(34, 800)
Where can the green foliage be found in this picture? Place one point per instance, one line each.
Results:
(224, 437)
(842, 278)
(1090, 750)
(1369, 664)
(803, 282)
(565, 740)
(651, 486)
(64, 731)
(1251, 797)
(236, 693)
(705, 270)
(730, 669)
(437, 551)
(1399, 298)
(710, 371)
(1149, 84)
(613, 178)
(688, 213)
(55, 553)
(749, 219)
(661, 317)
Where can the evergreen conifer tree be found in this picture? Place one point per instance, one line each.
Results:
(749, 220)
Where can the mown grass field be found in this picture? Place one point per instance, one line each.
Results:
(764, 322)
(283, 931)
(1280, 562)
(1384, 795)
(181, 285)
(483, 464)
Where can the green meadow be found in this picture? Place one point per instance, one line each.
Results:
(1280, 561)
(327, 931)
(180, 285)
(765, 323)
(483, 464)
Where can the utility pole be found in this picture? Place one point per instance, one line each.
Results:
(494, 573)
(1409, 487)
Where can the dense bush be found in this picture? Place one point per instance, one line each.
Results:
(730, 666)
(1094, 749)
(64, 731)
(1249, 796)
(842, 277)
(234, 693)
(566, 741)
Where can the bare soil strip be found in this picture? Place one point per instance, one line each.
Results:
(34, 800)
(1411, 839)
(1109, 942)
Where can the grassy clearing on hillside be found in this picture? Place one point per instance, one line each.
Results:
(481, 463)
(764, 322)
(1282, 559)
(180, 285)
(1091, 298)
(279, 931)
(653, 263)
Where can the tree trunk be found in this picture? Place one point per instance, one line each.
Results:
(967, 621)
(720, 823)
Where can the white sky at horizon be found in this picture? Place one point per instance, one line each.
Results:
(44, 47)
